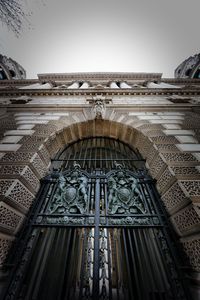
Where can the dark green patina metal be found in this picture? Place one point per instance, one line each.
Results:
(96, 231)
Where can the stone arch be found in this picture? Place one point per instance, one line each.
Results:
(19, 186)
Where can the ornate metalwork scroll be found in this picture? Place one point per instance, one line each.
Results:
(123, 193)
(71, 194)
(101, 229)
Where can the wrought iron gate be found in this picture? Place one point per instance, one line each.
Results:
(97, 231)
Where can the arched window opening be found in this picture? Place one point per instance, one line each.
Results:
(188, 72)
(98, 153)
(2, 74)
(197, 74)
(12, 73)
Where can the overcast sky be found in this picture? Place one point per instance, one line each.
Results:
(105, 35)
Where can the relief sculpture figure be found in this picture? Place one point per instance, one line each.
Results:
(123, 194)
(71, 195)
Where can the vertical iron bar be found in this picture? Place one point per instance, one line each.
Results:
(134, 259)
(44, 204)
(106, 156)
(65, 246)
(95, 290)
(68, 157)
(84, 243)
(136, 245)
(111, 153)
(40, 202)
(71, 265)
(39, 267)
(127, 264)
(73, 155)
(90, 154)
(80, 153)
(100, 155)
(85, 155)
(142, 190)
(148, 267)
(109, 264)
(115, 261)
(95, 153)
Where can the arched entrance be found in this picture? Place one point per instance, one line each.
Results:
(97, 231)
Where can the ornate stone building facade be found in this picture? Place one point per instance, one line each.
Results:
(159, 117)
(10, 69)
(189, 68)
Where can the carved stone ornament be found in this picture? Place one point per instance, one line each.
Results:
(98, 106)
(123, 194)
(21, 100)
(98, 109)
(71, 195)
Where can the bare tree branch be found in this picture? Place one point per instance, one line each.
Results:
(13, 15)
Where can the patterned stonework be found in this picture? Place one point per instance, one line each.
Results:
(52, 146)
(144, 145)
(165, 180)
(21, 171)
(178, 157)
(45, 129)
(169, 148)
(38, 165)
(156, 166)
(5, 244)
(9, 219)
(192, 188)
(155, 133)
(4, 186)
(44, 154)
(149, 127)
(151, 154)
(192, 249)
(187, 220)
(31, 143)
(16, 193)
(176, 172)
(174, 199)
(185, 171)
(31, 178)
(164, 140)
(8, 123)
(17, 157)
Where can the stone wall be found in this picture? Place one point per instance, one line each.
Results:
(168, 141)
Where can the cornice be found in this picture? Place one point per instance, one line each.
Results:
(93, 92)
(16, 83)
(181, 81)
(129, 107)
(104, 75)
(96, 78)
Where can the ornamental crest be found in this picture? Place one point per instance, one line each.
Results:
(124, 195)
(71, 195)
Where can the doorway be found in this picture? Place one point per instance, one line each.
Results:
(97, 230)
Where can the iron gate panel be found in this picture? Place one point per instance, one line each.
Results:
(97, 232)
